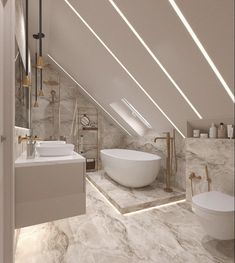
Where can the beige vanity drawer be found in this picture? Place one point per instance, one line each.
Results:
(49, 192)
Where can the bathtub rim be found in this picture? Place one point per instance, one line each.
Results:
(154, 156)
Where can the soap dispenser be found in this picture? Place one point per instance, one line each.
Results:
(213, 131)
(221, 131)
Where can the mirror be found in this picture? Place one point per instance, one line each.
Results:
(22, 105)
(85, 121)
(22, 95)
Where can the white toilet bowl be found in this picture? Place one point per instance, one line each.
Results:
(215, 212)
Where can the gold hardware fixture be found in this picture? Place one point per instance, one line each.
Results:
(170, 144)
(208, 178)
(194, 176)
(26, 138)
(51, 82)
(40, 62)
(191, 177)
(27, 81)
(40, 93)
(35, 104)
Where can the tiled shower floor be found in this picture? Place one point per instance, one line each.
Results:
(128, 200)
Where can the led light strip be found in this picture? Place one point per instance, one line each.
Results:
(154, 207)
(154, 57)
(124, 68)
(136, 212)
(73, 79)
(202, 49)
(138, 115)
(103, 196)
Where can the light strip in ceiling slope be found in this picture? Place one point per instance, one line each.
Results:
(202, 49)
(124, 68)
(74, 80)
(154, 57)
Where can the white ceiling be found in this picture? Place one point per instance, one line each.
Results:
(69, 42)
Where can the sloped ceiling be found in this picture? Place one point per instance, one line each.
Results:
(130, 71)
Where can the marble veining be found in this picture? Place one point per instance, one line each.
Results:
(146, 144)
(164, 235)
(218, 155)
(127, 199)
(54, 119)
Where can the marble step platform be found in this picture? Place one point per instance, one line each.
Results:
(128, 200)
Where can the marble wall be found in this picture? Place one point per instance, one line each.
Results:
(218, 155)
(61, 117)
(146, 143)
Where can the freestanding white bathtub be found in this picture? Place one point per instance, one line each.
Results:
(130, 168)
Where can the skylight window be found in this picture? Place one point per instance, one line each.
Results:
(123, 67)
(202, 49)
(154, 57)
(135, 113)
(130, 117)
(74, 80)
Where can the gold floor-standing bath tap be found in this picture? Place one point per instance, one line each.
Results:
(169, 144)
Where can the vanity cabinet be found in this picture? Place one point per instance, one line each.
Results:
(48, 189)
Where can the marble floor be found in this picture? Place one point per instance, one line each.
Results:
(164, 235)
(127, 199)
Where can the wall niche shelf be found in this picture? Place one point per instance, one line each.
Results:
(205, 124)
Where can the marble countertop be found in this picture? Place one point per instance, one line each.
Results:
(22, 161)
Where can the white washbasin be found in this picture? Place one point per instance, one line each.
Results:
(50, 142)
(54, 149)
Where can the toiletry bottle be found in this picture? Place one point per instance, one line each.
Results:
(230, 131)
(213, 131)
(221, 131)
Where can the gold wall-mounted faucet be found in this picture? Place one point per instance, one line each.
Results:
(191, 177)
(26, 138)
(208, 178)
(31, 141)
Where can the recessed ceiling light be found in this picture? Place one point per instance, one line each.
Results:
(124, 68)
(74, 80)
(202, 49)
(154, 57)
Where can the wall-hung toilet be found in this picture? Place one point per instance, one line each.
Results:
(215, 212)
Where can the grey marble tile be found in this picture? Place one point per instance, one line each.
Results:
(146, 144)
(169, 234)
(127, 199)
(218, 155)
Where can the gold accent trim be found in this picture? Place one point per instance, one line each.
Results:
(208, 178)
(35, 104)
(40, 93)
(27, 82)
(191, 177)
(40, 62)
